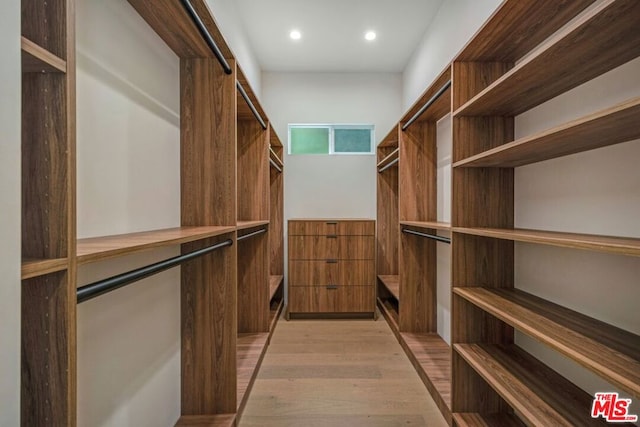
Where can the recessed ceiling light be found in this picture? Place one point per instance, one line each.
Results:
(370, 35)
(295, 35)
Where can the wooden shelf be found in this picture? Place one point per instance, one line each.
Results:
(222, 420)
(607, 127)
(101, 248)
(275, 158)
(274, 284)
(487, 420)
(250, 352)
(433, 225)
(431, 356)
(392, 283)
(391, 139)
(390, 313)
(558, 65)
(39, 267)
(609, 244)
(274, 315)
(390, 158)
(440, 107)
(36, 59)
(610, 352)
(243, 225)
(536, 392)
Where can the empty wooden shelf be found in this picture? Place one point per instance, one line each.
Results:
(39, 267)
(610, 352)
(36, 59)
(540, 395)
(222, 420)
(608, 244)
(434, 225)
(274, 284)
(100, 248)
(392, 283)
(389, 159)
(251, 349)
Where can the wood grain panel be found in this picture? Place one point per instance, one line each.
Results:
(36, 59)
(39, 267)
(338, 247)
(516, 27)
(253, 284)
(338, 227)
(45, 24)
(253, 171)
(610, 352)
(418, 173)
(474, 135)
(208, 144)
(607, 127)
(209, 330)
(387, 221)
(222, 420)
(250, 352)
(470, 419)
(392, 284)
(390, 141)
(564, 61)
(344, 299)
(540, 395)
(418, 284)
(48, 377)
(100, 248)
(45, 166)
(387, 155)
(276, 223)
(431, 357)
(274, 285)
(471, 78)
(313, 273)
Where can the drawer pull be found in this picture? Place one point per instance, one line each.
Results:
(332, 222)
(332, 236)
(332, 286)
(332, 261)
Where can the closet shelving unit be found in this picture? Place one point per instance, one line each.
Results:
(527, 53)
(276, 228)
(225, 195)
(48, 308)
(407, 263)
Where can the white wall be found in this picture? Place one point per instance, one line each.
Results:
(128, 180)
(228, 19)
(593, 192)
(10, 100)
(454, 24)
(331, 186)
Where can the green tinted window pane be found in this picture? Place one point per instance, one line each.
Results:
(309, 140)
(352, 140)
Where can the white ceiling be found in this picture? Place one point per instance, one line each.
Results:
(333, 33)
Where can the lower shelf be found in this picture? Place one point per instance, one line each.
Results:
(250, 351)
(274, 284)
(392, 283)
(490, 420)
(222, 420)
(39, 267)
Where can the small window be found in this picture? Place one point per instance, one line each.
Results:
(331, 139)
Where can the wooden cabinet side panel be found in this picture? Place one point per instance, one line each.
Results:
(208, 143)
(418, 284)
(253, 171)
(276, 224)
(470, 78)
(387, 223)
(209, 331)
(253, 284)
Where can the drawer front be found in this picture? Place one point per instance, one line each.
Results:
(342, 299)
(330, 227)
(327, 247)
(334, 272)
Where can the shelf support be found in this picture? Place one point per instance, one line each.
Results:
(428, 236)
(95, 289)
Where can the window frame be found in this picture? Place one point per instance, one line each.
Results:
(332, 127)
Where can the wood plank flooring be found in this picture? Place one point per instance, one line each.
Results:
(338, 373)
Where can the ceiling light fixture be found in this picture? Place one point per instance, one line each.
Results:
(370, 35)
(295, 35)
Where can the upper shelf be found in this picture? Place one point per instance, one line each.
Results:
(438, 107)
(391, 140)
(39, 267)
(434, 225)
(36, 59)
(243, 225)
(275, 158)
(609, 244)
(607, 127)
(610, 352)
(101, 248)
(391, 158)
(564, 61)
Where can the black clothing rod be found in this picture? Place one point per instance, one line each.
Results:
(255, 233)
(95, 289)
(433, 99)
(428, 236)
(207, 36)
(251, 106)
(384, 168)
(275, 165)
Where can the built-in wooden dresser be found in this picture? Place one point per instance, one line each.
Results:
(331, 267)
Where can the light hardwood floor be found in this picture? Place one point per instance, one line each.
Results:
(338, 373)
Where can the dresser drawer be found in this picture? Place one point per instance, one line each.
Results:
(341, 299)
(330, 227)
(335, 272)
(331, 247)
